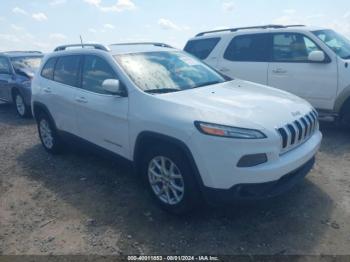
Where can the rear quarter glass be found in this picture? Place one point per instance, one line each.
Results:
(201, 48)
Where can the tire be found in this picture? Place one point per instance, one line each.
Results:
(345, 115)
(21, 108)
(171, 184)
(48, 134)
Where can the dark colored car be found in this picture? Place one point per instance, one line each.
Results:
(17, 70)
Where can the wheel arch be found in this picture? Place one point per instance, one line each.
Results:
(344, 113)
(147, 138)
(342, 99)
(345, 104)
(41, 108)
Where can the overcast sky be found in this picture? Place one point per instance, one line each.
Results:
(44, 24)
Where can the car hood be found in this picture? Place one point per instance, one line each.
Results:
(242, 103)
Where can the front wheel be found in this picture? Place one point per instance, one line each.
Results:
(170, 179)
(21, 108)
(48, 135)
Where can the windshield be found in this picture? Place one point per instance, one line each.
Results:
(163, 72)
(26, 62)
(338, 43)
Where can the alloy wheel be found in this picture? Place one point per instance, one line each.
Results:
(20, 106)
(46, 133)
(166, 180)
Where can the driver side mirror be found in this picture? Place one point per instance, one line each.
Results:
(317, 56)
(114, 87)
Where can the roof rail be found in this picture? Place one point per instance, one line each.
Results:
(96, 46)
(286, 26)
(248, 27)
(13, 52)
(145, 43)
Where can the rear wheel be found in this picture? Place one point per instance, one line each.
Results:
(21, 108)
(48, 134)
(170, 179)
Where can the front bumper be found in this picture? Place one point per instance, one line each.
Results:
(216, 160)
(256, 191)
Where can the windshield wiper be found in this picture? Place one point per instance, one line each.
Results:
(162, 90)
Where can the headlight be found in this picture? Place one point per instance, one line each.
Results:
(228, 131)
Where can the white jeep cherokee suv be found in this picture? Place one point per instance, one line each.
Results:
(312, 63)
(190, 131)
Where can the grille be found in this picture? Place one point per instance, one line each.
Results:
(296, 133)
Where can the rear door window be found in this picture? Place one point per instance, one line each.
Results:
(67, 70)
(201, 48)
(48, 69)
(249, 48)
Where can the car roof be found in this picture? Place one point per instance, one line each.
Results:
(114, 49)
(137, 48)
(13, 54)
(255, 30)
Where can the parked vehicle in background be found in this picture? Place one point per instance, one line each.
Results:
(17, 70)
(189, 131)
(309, 62)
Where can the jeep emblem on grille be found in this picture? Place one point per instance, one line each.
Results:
(296, 113)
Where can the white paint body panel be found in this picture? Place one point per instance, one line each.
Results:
(101, 118)
(317, 83)
(61, 101)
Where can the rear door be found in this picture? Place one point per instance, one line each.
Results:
(6, 77)
(246, 57)
(290, 70)
(101, 116)
(61, 92)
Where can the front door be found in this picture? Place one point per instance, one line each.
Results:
(290, 70)
(101, 116)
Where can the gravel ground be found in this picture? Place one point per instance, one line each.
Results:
(84, 203)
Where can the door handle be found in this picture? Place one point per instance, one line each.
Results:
(279, 71)
(224, 70)
(81, 100)
(47, 90)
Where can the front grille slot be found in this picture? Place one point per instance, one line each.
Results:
(284, 136)
(300, 129)
(310, 125)
(305, 126)
(293, 134)
(312, 114)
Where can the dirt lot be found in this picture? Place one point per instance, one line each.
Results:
(81, 203)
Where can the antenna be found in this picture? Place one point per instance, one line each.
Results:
(81, 41)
